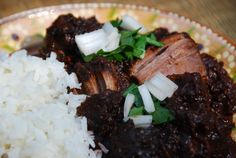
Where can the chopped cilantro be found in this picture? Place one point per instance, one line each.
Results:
(152, 36)
(88, 58)
(135, 111)
(139, 47)
(116, 23)
(154, 42)
(127, 38)
(132, 45)
(161, 114)
(133, 89)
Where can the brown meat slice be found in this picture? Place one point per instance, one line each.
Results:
(179, 55)
(100, 75)
(173, 37)
(87, 78)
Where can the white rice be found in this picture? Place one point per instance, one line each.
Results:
(37, 116)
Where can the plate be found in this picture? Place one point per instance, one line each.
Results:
(16, 28)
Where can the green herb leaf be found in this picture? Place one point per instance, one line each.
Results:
(88, 58)
(116, 23)
(127, 38)
(161, 114)
(113, 55)
(140, 46)
(129, 55)
(154, 42)
(118, 57)
(138, 99)
(135, 111)
(133, 89)
(152, 36)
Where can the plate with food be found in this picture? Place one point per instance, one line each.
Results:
(103, 80)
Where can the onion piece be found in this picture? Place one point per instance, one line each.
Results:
(167, 81)
(91, 42)
(129, 101)
(147, 99)
(108, 28)
(131, 24)
(107, 38)
(155, 91)
(142, 120)
(163, 87)
(112, 35)
(164, 84)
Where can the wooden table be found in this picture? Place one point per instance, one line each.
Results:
(216, 14)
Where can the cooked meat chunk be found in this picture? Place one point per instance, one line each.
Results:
(179, 55)
(61, 34)
(99, 75)
(205, 132)
(87, 78)
(60, 38)
(174, 37)
(221, 86)
(127, 141)
(103, 111)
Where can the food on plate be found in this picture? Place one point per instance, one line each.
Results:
(150, 93)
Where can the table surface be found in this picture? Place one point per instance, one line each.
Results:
(220, 15)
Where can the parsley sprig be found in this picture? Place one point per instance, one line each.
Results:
(159, 116)
(132, 45)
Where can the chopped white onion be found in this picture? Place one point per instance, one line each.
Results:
(130, 23)
(167, 81)
(142, 120)
(164, 88)
(108, 28)
(91, 42)
(164, 84)
(113, 37)
(107, 38)
(129, 101)
(147, 99)
(155, 91)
